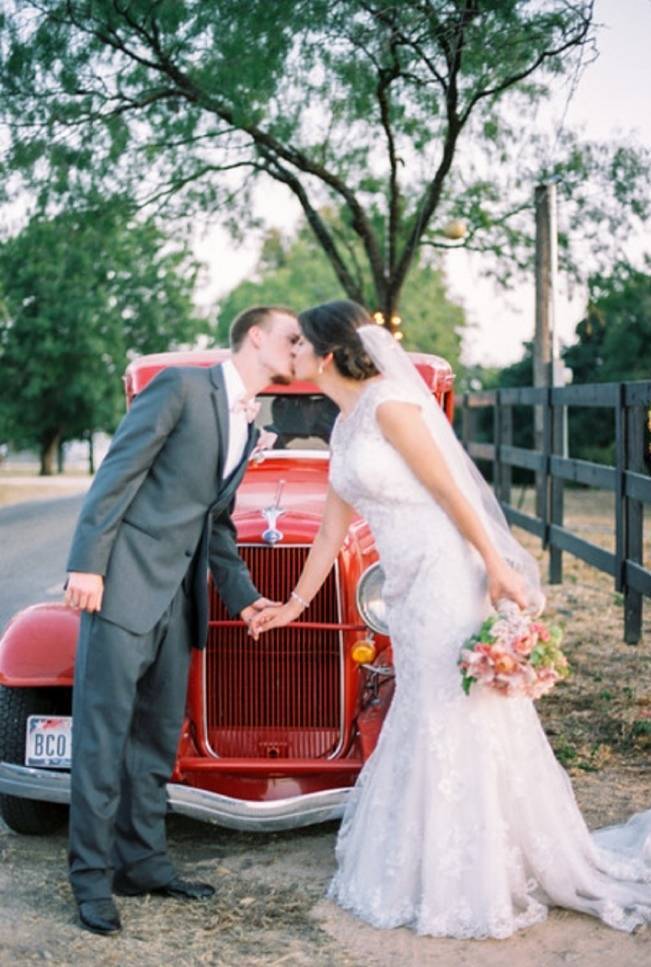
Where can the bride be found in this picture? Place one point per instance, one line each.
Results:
(462, 823)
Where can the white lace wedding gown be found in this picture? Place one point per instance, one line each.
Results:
(462, 823)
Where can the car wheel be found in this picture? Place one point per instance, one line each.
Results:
(29, 816)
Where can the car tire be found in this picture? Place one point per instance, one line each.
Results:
(29, 816)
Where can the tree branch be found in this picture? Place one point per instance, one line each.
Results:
(432, 195)
(173, 188)
(277, 171)
(407, 41)
(384, 84)
(574, 41)
(262, 139)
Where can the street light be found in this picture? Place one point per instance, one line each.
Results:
(455, 229)
(396, 322)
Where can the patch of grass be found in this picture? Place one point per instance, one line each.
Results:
(598, 717)
(248, 922)
(586, 757)
(565, 751)
(641, 734)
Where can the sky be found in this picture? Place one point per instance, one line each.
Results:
(611, 100)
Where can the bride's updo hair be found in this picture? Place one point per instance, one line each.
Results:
(332, 328)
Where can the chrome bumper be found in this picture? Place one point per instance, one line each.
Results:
(211, 807)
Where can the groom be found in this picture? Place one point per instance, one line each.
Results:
(157, 514)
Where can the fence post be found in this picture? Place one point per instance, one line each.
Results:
(543, 475)
(506, 439)
(557, 487)
(497, 443)
(620, 466)
(633, 521)
(467, 421)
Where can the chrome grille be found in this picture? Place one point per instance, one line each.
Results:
(279, 697)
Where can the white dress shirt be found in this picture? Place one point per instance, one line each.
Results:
(238, 427)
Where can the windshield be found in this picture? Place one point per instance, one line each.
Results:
(301, 421)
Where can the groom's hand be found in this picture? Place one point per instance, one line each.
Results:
(247, 614)
(84, 592)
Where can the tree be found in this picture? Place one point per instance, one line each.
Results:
(614, 338)
(297, 273)
(613, 344)
(78, 294)
(401, 113)
(291, 272)
(519, 373)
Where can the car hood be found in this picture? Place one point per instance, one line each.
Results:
(298, 478)
(302, 477)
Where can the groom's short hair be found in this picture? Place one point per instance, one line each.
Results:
(254, 316)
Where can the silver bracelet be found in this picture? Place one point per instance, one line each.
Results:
(300, 600)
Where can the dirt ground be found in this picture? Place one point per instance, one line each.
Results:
(17, 486)
(270, 908)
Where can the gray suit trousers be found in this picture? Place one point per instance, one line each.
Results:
(128, 708)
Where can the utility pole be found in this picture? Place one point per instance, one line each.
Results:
(548, 370)
(545, 352)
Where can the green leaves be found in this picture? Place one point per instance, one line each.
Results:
(614, 339)
(466, 682)
(80, 293)
(379, 109)
(296, 273)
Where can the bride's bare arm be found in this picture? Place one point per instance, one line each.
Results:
(337, 516)
(403, 427)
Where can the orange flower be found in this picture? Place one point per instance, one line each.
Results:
(505, 664)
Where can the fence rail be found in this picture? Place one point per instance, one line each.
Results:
(627, 479)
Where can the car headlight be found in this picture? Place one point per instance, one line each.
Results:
(370, 602)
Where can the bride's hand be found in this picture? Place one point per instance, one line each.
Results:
(504, 582)
(274, 618)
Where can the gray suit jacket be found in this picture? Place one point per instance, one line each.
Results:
(158, 509)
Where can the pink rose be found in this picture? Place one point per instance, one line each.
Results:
(524, 646)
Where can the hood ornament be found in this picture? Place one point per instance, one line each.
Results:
(271, 535)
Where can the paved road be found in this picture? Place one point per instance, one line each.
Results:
(34, 542)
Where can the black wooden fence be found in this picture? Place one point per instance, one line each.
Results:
(628, 480)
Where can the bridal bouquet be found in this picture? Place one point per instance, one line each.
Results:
(514, 653)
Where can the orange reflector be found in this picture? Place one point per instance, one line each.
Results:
(363, 652)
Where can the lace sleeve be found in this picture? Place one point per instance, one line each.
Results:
(386, 390)
(394, 363)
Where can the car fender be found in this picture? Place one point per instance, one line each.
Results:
(38, 647)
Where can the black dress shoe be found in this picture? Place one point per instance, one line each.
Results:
(185, 890)
(99, 916)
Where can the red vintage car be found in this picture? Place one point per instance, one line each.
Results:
(276, 731)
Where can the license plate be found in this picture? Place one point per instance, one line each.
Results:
(49, 741)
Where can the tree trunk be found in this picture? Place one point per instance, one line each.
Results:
(91, 454)
(49, 450)
(61, 457)
(389, 310)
